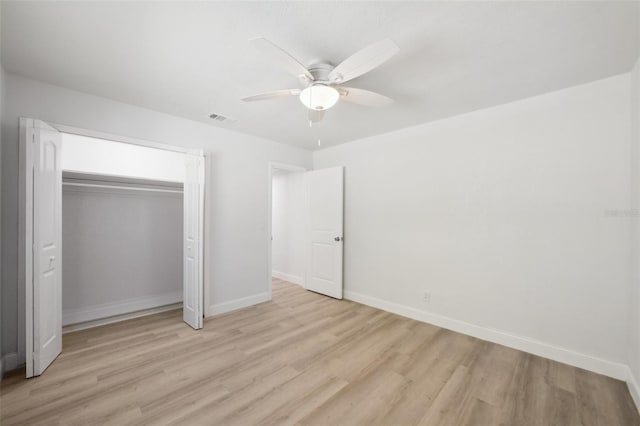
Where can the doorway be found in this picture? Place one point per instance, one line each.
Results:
(305, 215)
(288, 224)
(151, 181)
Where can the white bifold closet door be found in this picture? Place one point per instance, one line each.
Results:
(47, 239)
(192, 302)
(324, 251)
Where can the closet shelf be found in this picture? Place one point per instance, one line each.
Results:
(127, 188)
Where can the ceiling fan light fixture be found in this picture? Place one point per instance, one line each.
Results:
(319, 97)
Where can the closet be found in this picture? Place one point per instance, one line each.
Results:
(121, 247)
(122, 217)
(111, 228)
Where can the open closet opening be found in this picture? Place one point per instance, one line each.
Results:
(122, 223)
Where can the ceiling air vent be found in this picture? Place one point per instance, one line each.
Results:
(221, 118)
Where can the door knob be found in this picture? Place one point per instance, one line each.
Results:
(337, 239)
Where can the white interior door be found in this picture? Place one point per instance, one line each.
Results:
(46, 341)
(192, 302)
(324, 252)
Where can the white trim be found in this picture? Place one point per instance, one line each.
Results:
(118, 318)
(105, 310)
(295, 279)
(8, 363)
(273, 165)
(288, 167)
(207, 233)
(634, 388)
(536, 347)
(236, 304)
(25, 245)
(123, 139)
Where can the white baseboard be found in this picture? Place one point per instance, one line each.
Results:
(110, 320)
(295, 279)
(634, 388)
(232, 305)
(106, 310)
(536, 347)
(8, 362)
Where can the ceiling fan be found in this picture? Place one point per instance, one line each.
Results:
(322, 82)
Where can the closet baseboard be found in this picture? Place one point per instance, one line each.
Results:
(117, 318)
(106, 310)
(9, 362)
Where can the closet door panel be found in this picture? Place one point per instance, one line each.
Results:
(193, 250)
(47, 241)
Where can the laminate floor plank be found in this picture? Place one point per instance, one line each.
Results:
(304, 359)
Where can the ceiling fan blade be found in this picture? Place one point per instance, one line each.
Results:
(364, 61)
(316, 115)
(284, 59)
(364, 97)
(272, 95)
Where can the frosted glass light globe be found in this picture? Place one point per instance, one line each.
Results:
(319, 97)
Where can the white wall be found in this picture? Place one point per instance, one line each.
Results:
(238, 187)
(634, 328)
(288, 220)
(512, 217)
(121, 251)
(92, 155)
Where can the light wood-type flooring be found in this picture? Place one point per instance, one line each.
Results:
(305, 359)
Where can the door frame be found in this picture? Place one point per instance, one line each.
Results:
(274, 165)
(25, 221)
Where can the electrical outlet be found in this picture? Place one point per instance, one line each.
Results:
(426, 296)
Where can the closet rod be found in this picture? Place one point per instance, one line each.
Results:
(89, 185)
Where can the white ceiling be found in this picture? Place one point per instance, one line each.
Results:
(192, 59)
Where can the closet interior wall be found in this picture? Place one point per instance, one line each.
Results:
(121, 245)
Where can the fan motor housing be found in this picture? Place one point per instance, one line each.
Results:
(320, 71)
